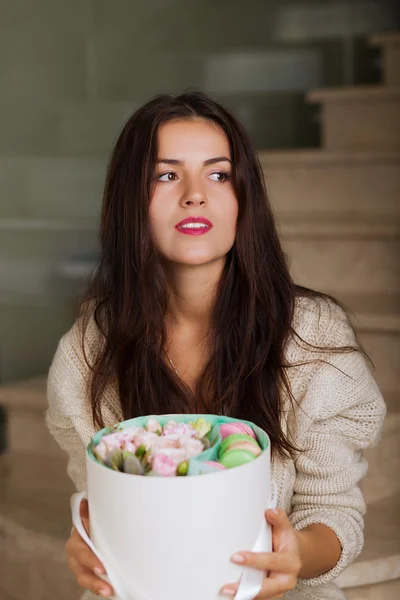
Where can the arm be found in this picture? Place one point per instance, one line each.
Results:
(69, 421)
(324, 532)
(349, 419)
(319, 550)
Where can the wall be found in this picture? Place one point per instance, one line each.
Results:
(71, 72)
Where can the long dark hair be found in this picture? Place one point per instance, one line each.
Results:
(253, 312)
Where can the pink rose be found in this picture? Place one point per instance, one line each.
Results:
(178, 455)
(171, 441)
(146, 438)
(130, 447)
(153, 426)
(110, 442)
(173, 428)
(193, 447)
(164, 465)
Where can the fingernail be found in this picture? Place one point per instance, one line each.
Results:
(228, 592)
(237, 558)
(98, 571)
(275, 511)
(105, 593)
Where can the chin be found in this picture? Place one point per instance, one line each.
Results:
(195, 260)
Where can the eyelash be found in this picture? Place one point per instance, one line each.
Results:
(226, 174)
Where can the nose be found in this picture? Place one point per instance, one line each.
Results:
(193, 195)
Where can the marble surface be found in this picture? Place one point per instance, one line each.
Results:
(35, 493)
(390, 590)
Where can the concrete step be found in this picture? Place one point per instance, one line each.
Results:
(26, 404)
(389, 43)
(377, 320)
(382, 479)
(341, 256)
(359, 118)
(35, 523)
(387, 590)
(324, 183)
(379, 562)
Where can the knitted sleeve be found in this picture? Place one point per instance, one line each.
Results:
(349, 417)
(66, 415)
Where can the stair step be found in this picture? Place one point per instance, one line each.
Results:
(382, 479)
(389, 42)
(387, 590)
(341, 227)
(326, 183)
(377, 321)
(368, 264)
(360, 118)
(26, 404)
(380, 559)
(35, 522)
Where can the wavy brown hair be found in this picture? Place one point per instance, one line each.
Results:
(254, 306)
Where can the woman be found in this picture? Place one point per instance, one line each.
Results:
(192, 309)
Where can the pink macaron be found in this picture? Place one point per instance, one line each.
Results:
(214, 463)
(235, 427)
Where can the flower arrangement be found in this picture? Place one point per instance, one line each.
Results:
(156, 449)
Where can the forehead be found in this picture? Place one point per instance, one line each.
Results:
(191, 137)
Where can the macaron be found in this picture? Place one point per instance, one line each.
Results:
(236, 458)
(214, 463)
(236, 437)
(235, 427)
(245, 446)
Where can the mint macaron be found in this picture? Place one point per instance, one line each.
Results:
(236, 458)
(236, 437)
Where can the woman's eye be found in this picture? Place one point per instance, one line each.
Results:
(170, 176)
(220, 176)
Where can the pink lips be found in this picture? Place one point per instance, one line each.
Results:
(194, 226)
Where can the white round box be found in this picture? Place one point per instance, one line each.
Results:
(171, 538)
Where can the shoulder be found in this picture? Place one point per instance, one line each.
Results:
(341, 378)
(70, 370)
(321, 322)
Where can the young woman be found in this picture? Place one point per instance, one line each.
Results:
(192, 309)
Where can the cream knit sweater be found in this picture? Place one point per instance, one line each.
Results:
(339, 412)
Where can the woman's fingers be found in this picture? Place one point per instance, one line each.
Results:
(268, 561)
(276, 587)
(86, 579)
(82, 553)
(271, 587)
(84, 512)
(86, 567)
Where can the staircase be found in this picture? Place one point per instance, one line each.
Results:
(337, 206)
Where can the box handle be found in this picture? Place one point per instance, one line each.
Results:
(252, 579)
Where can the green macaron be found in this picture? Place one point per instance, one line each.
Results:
(235, 458)
(235, 437)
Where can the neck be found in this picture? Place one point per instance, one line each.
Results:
(192, 292)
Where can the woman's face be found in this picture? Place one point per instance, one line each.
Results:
(193, 208)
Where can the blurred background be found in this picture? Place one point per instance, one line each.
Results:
(317, 85)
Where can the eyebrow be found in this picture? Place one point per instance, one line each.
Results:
(209, 161)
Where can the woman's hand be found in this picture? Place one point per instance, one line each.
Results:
(83, 562)
(283, 563)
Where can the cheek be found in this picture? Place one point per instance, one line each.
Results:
(158, 213)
